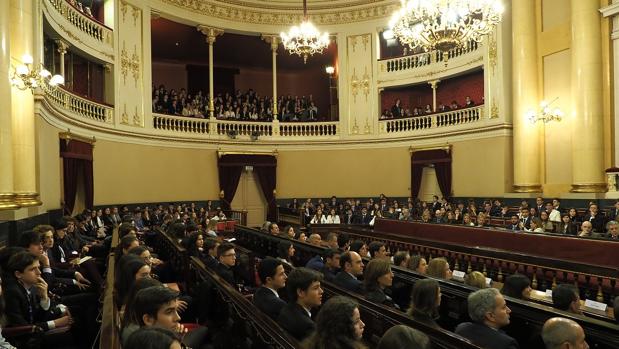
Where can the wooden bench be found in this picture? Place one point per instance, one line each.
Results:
(109, 337)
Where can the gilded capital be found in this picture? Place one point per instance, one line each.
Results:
(272, 39)
(211, 33)
(62, 46)
(434, 83)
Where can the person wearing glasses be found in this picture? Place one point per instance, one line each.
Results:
(227, 261)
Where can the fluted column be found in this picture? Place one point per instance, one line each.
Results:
(62, 50)
(525, 97)
(7, 195)
(588, 137)
(211, 35)
(22, 107)
(434, 85)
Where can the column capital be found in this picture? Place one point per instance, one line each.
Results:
(434, 83)
(107, 67)
(62, 46)
(272, 39)
(211, 33)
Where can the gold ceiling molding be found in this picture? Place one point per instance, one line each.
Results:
(262, 15)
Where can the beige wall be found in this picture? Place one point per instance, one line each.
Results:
(139, 173)
(172, 75)
(48, 165)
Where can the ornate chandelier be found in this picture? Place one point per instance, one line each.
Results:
(444, 24)
(545, 114)
(305, 40)
(25, 76)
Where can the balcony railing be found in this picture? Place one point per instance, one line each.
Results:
(308, 129)
(80, 107)
(234, 128)
(424, 59)
(450, 118)
(172, 123)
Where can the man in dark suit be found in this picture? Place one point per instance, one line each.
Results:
(348, 217)
(273, 277)
(489, 312)
(525, 219)
(227, 261)
(363, 218)
(597, 219)
(331, 265)
(613, 232)
(436, 205)
(305, 293)
(614, 212)
(513, 224)
(352, 267)
(210, 259)
(539, 205)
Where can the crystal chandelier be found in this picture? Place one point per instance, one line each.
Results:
(305, 40)
(444, 25)
(546, 114)
(26, 76)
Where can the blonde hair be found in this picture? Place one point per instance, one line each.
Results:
(436, 267)
(475, 279)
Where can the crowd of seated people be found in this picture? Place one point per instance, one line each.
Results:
(543, 216)
(397, 110)
(248, 106)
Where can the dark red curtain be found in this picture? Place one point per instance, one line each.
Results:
(441, 159)
(230, 168)
(76, 155)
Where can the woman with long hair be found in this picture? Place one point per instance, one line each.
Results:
(338, 326)
(517, 286)
(418, 264)
(439, 268)
(130, 269)
(566, 226)
(376, 278)
(285, 252)
(425, 302)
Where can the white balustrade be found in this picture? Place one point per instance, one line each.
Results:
(405, 63)
(79, 107)
(308, 129)
(243, 128)
(180, 124)
(83, 22)
(432, 121)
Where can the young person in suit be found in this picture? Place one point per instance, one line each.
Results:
(305, 293)
(352, 267)
(273, 277)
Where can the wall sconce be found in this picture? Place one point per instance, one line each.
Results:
(330, 70)
(25, 76)
(546, 114)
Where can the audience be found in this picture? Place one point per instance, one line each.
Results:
(566, 297)
(418, 264)
(227, 260)
(517, 286)
(489, 313)
(351, 268)
(398, 111)
(560, 333)
(376, 278)
(439, 268)
(402, 336)
(153, 338)
(304, 293)
(475, 279)
(273, 278)
(425, 302)
(338, 326)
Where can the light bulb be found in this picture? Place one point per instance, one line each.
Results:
(45, 73)
(22, 70)
(27, 59)
(56, 80)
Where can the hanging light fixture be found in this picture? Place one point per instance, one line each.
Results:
(444, 25)
(26, 76)
(545, 114)
(305, 40)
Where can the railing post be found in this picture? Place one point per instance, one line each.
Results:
(276, 128)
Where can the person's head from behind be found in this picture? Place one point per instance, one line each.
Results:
(517, 286)
(153, 338)
(351, 263)
(156, 306)
(25, 268)
(425, 298)
(378, 250)
(488, 307)
(402, 336)
(418, 264)
(303, 286)
(272, 274)
(378, 275)
(226, 254)
(439, 268)
(562, 333)
(566, 297)
(475, 279)
(338, 321)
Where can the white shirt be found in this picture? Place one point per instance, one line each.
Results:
(554, 216)
(335, 219)
(321, 220)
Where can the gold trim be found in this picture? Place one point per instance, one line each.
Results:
(589, 188)
(528, 188)
(27, 199)
(446, 147)
(69, 136)
(7, 201)
(273, 152)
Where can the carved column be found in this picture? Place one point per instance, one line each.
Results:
(525, 98)
(7, 195)
(22, 107)
(211, 35)
(588, 137)
(62, 49)
(434, 85)
(274, 41)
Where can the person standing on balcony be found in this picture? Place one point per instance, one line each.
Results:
(396, 109)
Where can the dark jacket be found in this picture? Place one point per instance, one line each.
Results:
(346, 281)
(295, 320)
(486, 337)
(19, 304)
(226, 273)
(378, 296)
(268, 302)
(315, 263)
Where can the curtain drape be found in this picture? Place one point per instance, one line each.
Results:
(441, 159)
(230, 168)
(76, 155)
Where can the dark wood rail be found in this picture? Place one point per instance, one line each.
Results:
(109, 338)
(527, 317)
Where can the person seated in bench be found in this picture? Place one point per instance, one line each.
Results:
(560, 333)
(613, 231)
(489, 312)
(153, 338)
(402, 336)
(376, 278)
(439, 268)
(210, 257)
(338, 325)
(285, 253)
(352, 267)
(567, 298)
(227, 261)
(304, 293)
(378, 250)
(517, 286)
(273, 277)
(328, 263)
(425, 302)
